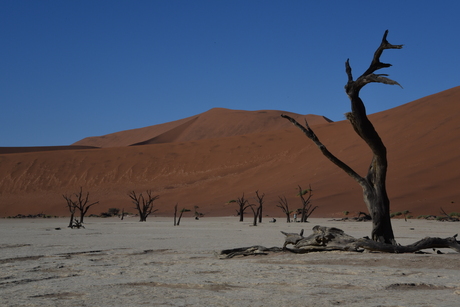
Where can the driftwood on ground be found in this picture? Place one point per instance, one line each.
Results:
(333, 239)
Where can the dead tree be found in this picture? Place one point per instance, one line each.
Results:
(307, 206)
(180, 215)
(283, 204)
(144, 206)
(177, 221)
(243, 204)
(175, 214)
(260, 201)
(72, 207)
(373, 184)
(81, 203)
(256, 212)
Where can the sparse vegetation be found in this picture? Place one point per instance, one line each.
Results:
(111, 212)
(31, 216)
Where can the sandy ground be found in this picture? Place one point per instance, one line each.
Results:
(127, 263)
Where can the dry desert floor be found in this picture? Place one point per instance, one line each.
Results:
(127, 263)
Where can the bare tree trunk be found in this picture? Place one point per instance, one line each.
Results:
(373, 185)
(175, 214)
(180, 215)
(283, 204)
(256, 213)
(260, 199)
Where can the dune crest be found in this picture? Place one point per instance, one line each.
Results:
(215, 123)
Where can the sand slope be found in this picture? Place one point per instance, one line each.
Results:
(190, 163)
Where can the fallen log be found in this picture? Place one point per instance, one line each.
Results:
(334, 239)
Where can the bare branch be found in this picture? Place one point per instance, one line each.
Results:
(312, 136)
(376, 64)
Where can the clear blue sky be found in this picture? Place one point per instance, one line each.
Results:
(72, 69)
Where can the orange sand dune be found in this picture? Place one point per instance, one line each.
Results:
(215, 123)
(190, 163)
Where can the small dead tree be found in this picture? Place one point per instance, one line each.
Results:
(72, 207)
(175, 214)
(256, 214)
(260, 201)
(283, 204)
(257, 211)
(307, 206)
(81, 203)
(243, 204)
(143, 205)
(373, 184)
(180, 215)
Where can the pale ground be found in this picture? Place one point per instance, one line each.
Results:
(127, 263)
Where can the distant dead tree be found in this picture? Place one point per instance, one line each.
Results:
(81, 203)
(144, 206)
(283, 204)
(243, 204)
(257, 211)
(175, 215)
(180, 215)
(260, 201)
(307, 206)
(71, 206)
(373, 184)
